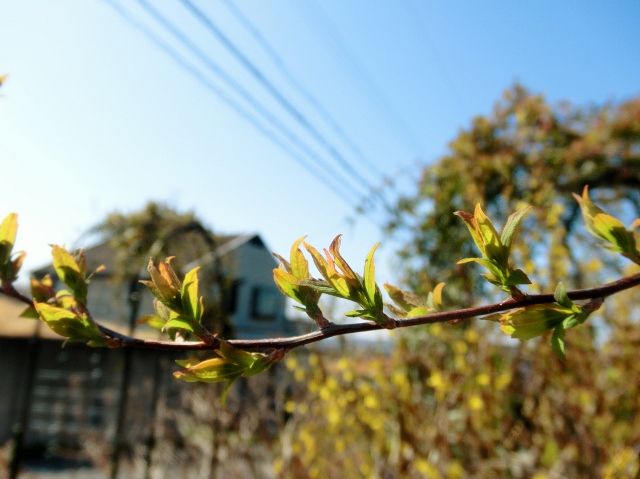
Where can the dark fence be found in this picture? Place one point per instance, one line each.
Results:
(60, 409)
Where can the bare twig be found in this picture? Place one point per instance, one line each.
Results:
(268, 345)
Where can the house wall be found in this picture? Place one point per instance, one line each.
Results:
(253, 265)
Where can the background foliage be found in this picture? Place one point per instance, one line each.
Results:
(459, 401)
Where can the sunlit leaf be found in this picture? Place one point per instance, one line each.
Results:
(437, 294)
(179, 323)
(319, 261)
(30, 313)
(487, 232)
(516, 277)
(404, 299)
(607, 228)
(286, 283)
(210, 370)
(152, 320)
(532, 321)
(70, 325)
(8, 232)
(191, 301)
(299, 264)
(419, 311)
(557, 341)
(370, 286)
(70, 271)
(42, 290)
(561, 297)
(238, 356)
(334, 248)
(472, 226)
(511, 227)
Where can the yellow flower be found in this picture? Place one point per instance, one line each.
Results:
(475, 402)
(483, 379)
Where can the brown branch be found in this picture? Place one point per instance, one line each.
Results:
(122, 341)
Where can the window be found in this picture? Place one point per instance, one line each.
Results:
(231, 297)
(264, 303)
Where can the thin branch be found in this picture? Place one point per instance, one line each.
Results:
(122, 341)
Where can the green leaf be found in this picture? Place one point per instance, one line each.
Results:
(318, 260)
(561, 297)
(191, 301)
(492, 245)
(70, 325)
(419, 311)
(152, 320)
(532, 321)
(511, 227)
(370, 286)
(517, 277)
(8, 232)
(30, 313)
(437, 296)
(356, 313)
(180, 322)
(70, 271)
(404, 299)
(472, 226)
(557, 341)
(259, 365)
(323, 287)
(348, 273)
(484, 262)
(9, 271)
(299, 264)
(210, 370)
(238, 356)
(606, 227)
(286, 283)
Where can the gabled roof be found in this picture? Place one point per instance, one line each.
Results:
(103, 254)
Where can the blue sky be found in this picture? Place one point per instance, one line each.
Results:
(95, 117)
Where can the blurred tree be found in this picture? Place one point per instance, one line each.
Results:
(525, 151)
(159, 231)
(455, 401)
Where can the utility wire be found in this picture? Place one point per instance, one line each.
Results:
(277, 95)
(327, 180)
(421, 26)
(278, 61)
(241, 91)
(376, 95)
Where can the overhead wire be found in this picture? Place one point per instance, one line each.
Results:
(300, 118)
(327, 180)
(360, 73)
(423, 30)
(293, 82)
(217, 70)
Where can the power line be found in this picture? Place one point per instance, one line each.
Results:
(241, 91)
(376, 96)
(308, 166)
(277, 95)
(296, 85)
(422, 29)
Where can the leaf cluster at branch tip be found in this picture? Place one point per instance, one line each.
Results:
(495, 248)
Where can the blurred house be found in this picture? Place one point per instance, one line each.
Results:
(74, 389)
(254, 306)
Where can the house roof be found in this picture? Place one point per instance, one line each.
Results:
(103, 254)
(13, 326)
